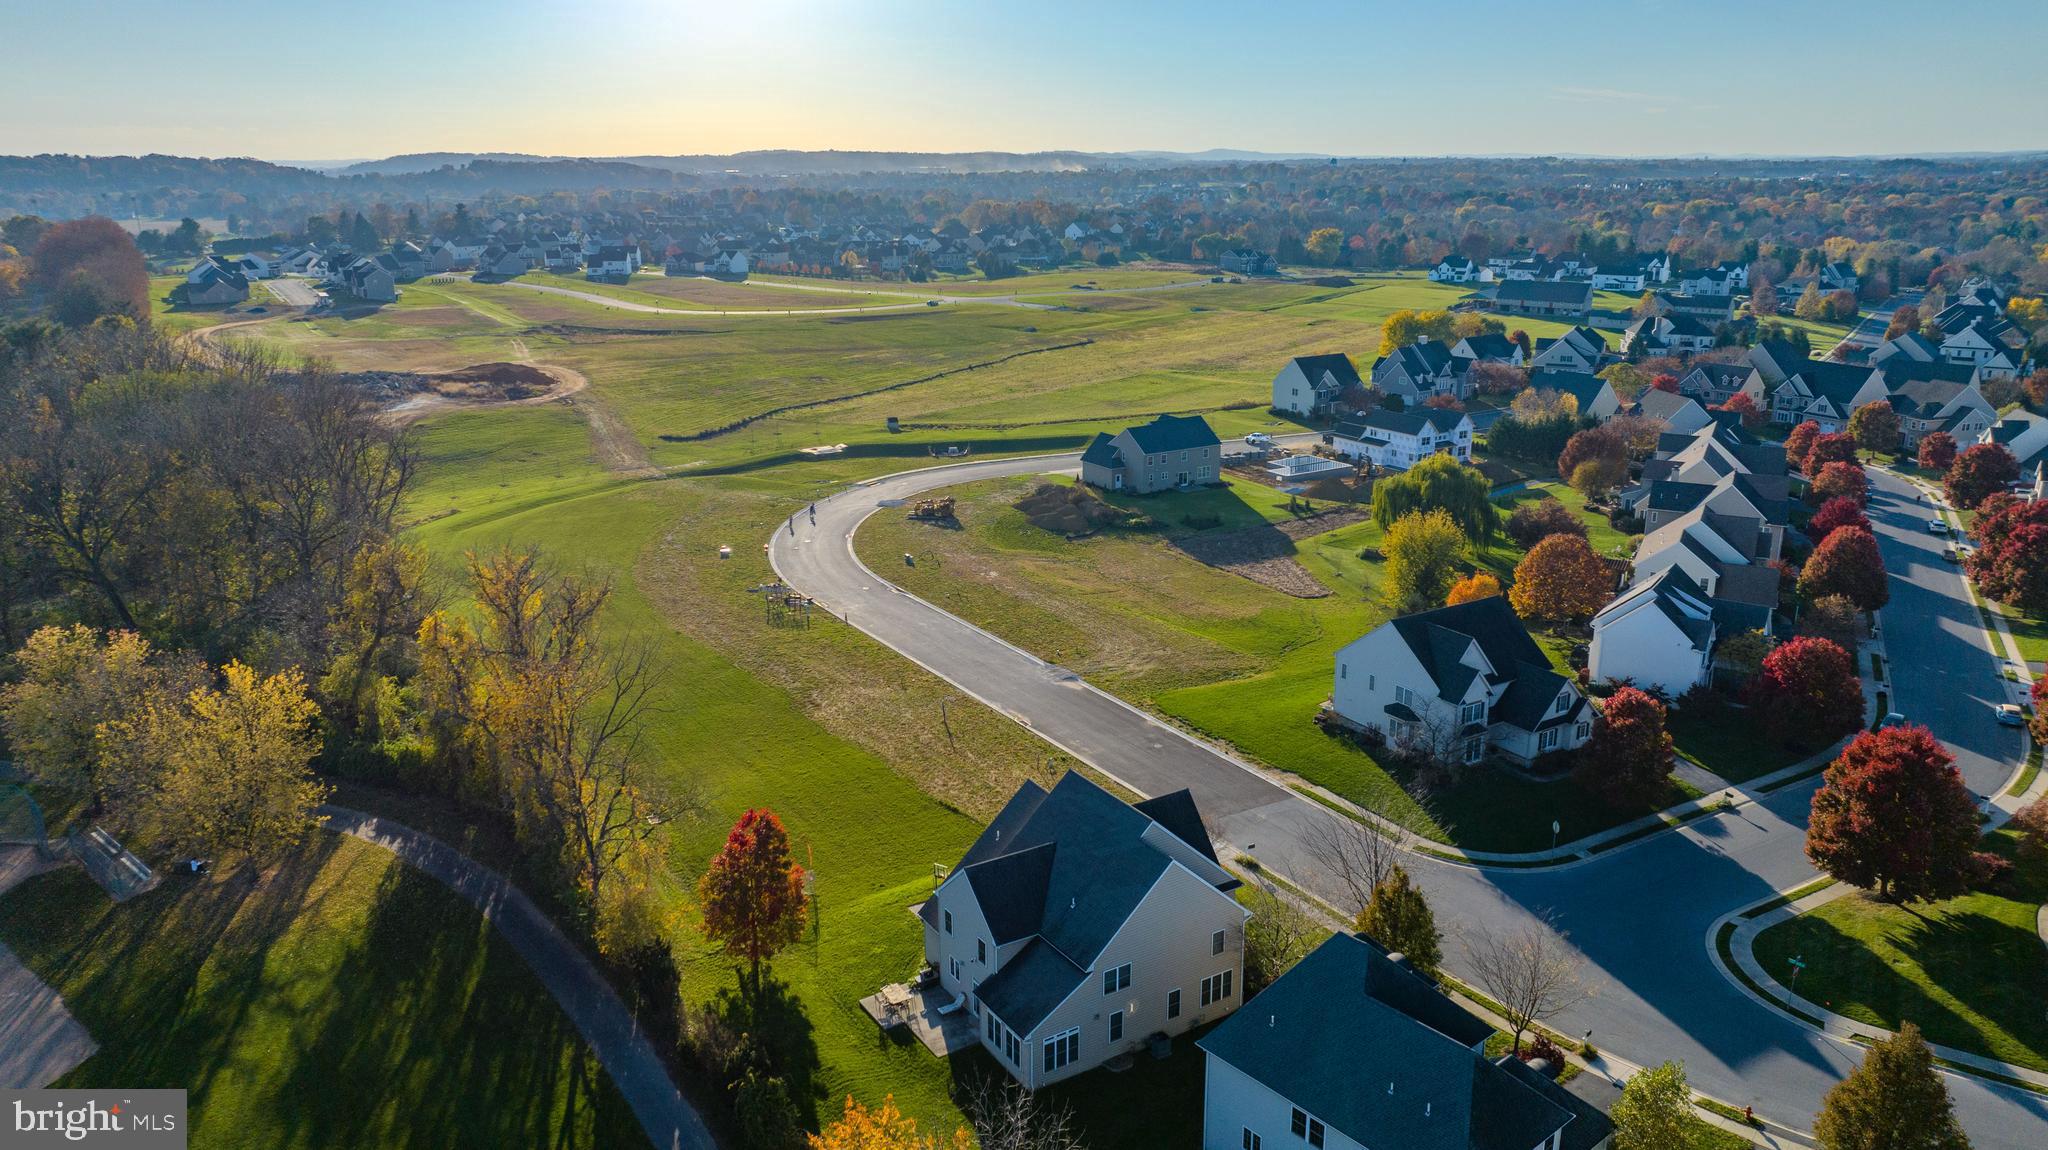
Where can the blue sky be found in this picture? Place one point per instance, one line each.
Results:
(297, 81)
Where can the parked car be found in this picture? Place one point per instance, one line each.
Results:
(1891, 719)
(2010, 716)
(1937, 527)
(1258, 439)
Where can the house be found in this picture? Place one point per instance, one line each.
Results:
(1247, 262)
(1488, 347)
(1457, 682)
(1666, 335)
(1827, 393)
(501, 263)
(1580, 349)
(1678, 413)
(1714, 384)
(1937, 397)
(1171, 451)
(1418, 371)
(561, 258)
(729, 264)
(614, 261)
(1310, 385)
(410, 260)
(1774, 359)
(1078, 926)
(258, 266)
(366, 279)
(1398, 440)
(1838, 276)
(1623, 277)
(213, 282)
(1658, 267)
(1454, 270)
(1595, 396)
(1707, 309)
(1659, 634)
(1352, 1049)
(1982, 344)
(1570, 299)
(2022, 432)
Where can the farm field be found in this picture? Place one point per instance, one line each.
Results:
(286, 1003)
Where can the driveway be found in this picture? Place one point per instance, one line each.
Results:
(1638, 914)
(39, 1040)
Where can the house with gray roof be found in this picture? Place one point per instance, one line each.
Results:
(1595, 396)
(1079, 926)
(1422, 369)
(1172, 451)
(1487, 347)
(1676, 412)
(1580, 349)
(1459, 683)
(212, 282)
(1398, 440)
(1666, 335)
(1937, 397)
(1352, 1049)
(1557, 299)
(1826, 392)
(1714, 384)
(1311, 385)
(1659, 634)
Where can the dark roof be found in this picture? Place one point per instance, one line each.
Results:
(1838, 383)
(1662, 404)
(1338, 365)
(1177, 813)
(1722, 375)
(1491, 345)
(1578, 292)
(1676, 495)
(1784, 355)
(1528, 701)
(1582, 386)
(1011, 891)
(1589, 1125)
(1755, 584)
(1438, 639)
(1409, 421)
(1425, 357)
(1029, 986)
(1376, 1025)
(1102, 451)
(1923, 398)
(1173, 433)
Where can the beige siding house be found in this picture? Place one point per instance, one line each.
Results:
(1170, 452)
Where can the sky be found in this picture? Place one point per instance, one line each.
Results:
(371, 78)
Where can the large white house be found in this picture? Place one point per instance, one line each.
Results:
(1352, 1049)
(1078, 926)
(1827, 393)
(1580, 349)
(1455, 270)
(1398, 440)
(1658, 634)
(1457, 682)
(1310, 384)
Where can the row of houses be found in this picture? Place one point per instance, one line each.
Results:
(1929, 394)
(1079, 929)
(1313, 386)
(1631, 274)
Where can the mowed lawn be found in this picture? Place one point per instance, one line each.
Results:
(1237, 661)
(1968, 971)
(342, 999)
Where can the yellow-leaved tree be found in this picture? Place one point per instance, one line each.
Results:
(882, 1128)
(73, 680)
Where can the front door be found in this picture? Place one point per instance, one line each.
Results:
(1116, 482)
(1181, 480)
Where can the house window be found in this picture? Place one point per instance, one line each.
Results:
(1404, 696)
(995, 1029)
(1015, 1048)
(1564, 702)
(1116, 1026)
(1474, 747)
(1173, 1003)
(1585, 729)
(1372, 682)
(949, 922)
(1062, 1049)
(1472, 712)
(953, 964)
(1251, 1140)
(1216, 943)
(1547, 741)
(1315, 1132)
(1216, 988)
(1116, 978)
(1343, 670)
(981, 950)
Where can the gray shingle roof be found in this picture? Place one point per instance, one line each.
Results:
(1102, 451)
(1337, 364)
(1173, 433)
(1576, 292)
(1029, 986)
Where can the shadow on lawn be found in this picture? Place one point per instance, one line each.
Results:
(1153, 1103)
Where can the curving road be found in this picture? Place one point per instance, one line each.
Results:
(1640, 914)
(915, 299)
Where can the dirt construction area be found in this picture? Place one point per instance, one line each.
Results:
(412, 395)
(1265, 554)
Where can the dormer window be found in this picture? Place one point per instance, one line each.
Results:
(1564, 701)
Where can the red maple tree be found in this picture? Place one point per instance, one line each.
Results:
(1847, 563)
(1893, 816)
(1665, 382)
(1745, 405)
(1839, 512)
(1842, 481)
(1979, 472)
(1833, 447)
(753, 896)
(1628, 759)
(2011, 562)
(1808, 691)
(1937, 450)
(1799, 442)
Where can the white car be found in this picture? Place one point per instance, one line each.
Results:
(2010, 716)
(1937, 526)
(1258, 439)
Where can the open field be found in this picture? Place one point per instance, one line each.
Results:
(342, 999)
(1968, 971)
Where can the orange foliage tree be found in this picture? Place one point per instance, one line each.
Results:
(753, 896)
(1477, 585)
(1559, 579)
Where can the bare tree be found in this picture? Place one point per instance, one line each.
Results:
(1278, 935)
(1531, 973)
(1005, 1116)
(1357, 856)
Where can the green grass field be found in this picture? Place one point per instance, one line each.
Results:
(1967, 971)
(342, 1000)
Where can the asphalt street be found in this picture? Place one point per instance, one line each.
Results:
(1639, 914)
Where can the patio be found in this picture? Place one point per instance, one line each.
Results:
(917, 1007)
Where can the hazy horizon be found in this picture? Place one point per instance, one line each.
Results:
(1622, 78)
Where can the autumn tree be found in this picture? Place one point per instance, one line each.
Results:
(1560, 579)
(1654, 1111)
(1847, 563)
(1628, 760)
(1530, 971)
(1594, 443)
(1596, 477)
(222, 770)
(1799, 441)
(1540, 518)
(1834, 618)
(1324, 245)
(1905, 321)
(2030, 822)
(1980, 471)
(754, 898)
(87, 268)
(1422, 550)
(2011, 560)
(1276, 936)
(2036, 386)
(1398, 918)
(1746, 408)
(1439, 483)
(1496, 378)
(1407, 326)
(1478, 585)
(882, 1128)
(1808, 690)
(1810, 305)
(1839, 512)
(1875, 427)
(1894, 816)
(1895, 1100)
(1937, 450)
(1842, 481)
(1831, 447)
(73, 681)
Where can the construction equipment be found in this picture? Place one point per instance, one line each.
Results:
(932, 508)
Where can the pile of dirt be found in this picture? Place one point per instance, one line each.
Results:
(492, 381)
(1265, 554)
(1069, 511)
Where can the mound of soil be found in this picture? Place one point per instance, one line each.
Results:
(1069, 511)
(492, 381)
(1265, 554)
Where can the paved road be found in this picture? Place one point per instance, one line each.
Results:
(39, 1040)
(1639, 914)
(584, 995)
(913, 299)
(293, 291)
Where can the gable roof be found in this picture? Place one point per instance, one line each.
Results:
(1674, 595)
(1490, 345)
(1409, 1076)
(1102, 451)
(1663, 404)
(1408, 421)
(1337, 364)
(1578, 292)
(1837, 383)
(1173, 433)
(1422, 358)
(1582, 386)
(1439, 639)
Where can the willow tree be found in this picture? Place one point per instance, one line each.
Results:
(1439, 482)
